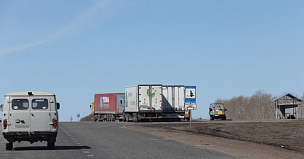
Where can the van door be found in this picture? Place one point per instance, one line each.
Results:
(40, 114)
(19, 114)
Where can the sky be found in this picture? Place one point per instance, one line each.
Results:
(78, 48)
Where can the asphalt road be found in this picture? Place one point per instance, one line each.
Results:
(107, 141)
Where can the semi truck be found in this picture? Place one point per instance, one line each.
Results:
(108, 106)
(217, 111)
(30, 116)
(143, 102)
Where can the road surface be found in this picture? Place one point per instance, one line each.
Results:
(107, 141)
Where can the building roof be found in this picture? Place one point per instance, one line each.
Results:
(290, 96)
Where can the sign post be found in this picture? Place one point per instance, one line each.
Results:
(190, 99)
(190, 108)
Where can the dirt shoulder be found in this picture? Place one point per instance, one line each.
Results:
(246, 139)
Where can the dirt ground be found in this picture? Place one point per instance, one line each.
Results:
(277, 139)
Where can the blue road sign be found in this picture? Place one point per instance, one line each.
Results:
(190, 94)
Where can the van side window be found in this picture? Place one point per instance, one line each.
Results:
(40, 104)
(20, 104)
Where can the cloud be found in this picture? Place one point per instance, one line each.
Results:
(80, 23)
(12, 49)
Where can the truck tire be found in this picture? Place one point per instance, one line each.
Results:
(211, 118)
(9, 146)
(135, 117)
(127, 117)
(51, 145)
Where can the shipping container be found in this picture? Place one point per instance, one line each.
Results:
(108, 106)
(174, 102)
(143, 102)
(173, 98)
(131, 95)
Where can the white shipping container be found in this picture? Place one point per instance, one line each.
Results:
(173, 98)
(131, 104)
(146, 98)
(150, 97)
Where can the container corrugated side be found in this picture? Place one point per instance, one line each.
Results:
(105, 103)
(173, 98)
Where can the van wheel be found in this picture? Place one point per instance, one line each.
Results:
(51, 145)
(9, 146)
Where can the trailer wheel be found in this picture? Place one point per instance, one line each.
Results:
(127, 117)
(135, 118)
(9, 146)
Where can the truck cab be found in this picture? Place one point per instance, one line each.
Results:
(30, 116)
(217, 111)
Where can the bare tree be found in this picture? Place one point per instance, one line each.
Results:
(258, 106)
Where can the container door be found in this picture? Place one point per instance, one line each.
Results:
(41, 114)
(150, 98)
(19, 114)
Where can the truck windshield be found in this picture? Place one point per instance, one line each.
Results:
(40, 104)
(20, 104)
(218, 107)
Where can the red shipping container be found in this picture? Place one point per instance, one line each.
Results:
(109, 103)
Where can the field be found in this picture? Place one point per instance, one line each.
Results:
(286, 134)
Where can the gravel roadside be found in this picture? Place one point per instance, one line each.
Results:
(246, 139)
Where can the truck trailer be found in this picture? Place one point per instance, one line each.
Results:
(174, 103)
(108, 106)
(143, 102)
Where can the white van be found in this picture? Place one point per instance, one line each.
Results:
(30, 116)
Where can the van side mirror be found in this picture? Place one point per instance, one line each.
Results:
(1, 107)
(90, 106)
(210, 109)
(58, 105)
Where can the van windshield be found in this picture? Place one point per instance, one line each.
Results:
(40, 104)
(20, 104)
